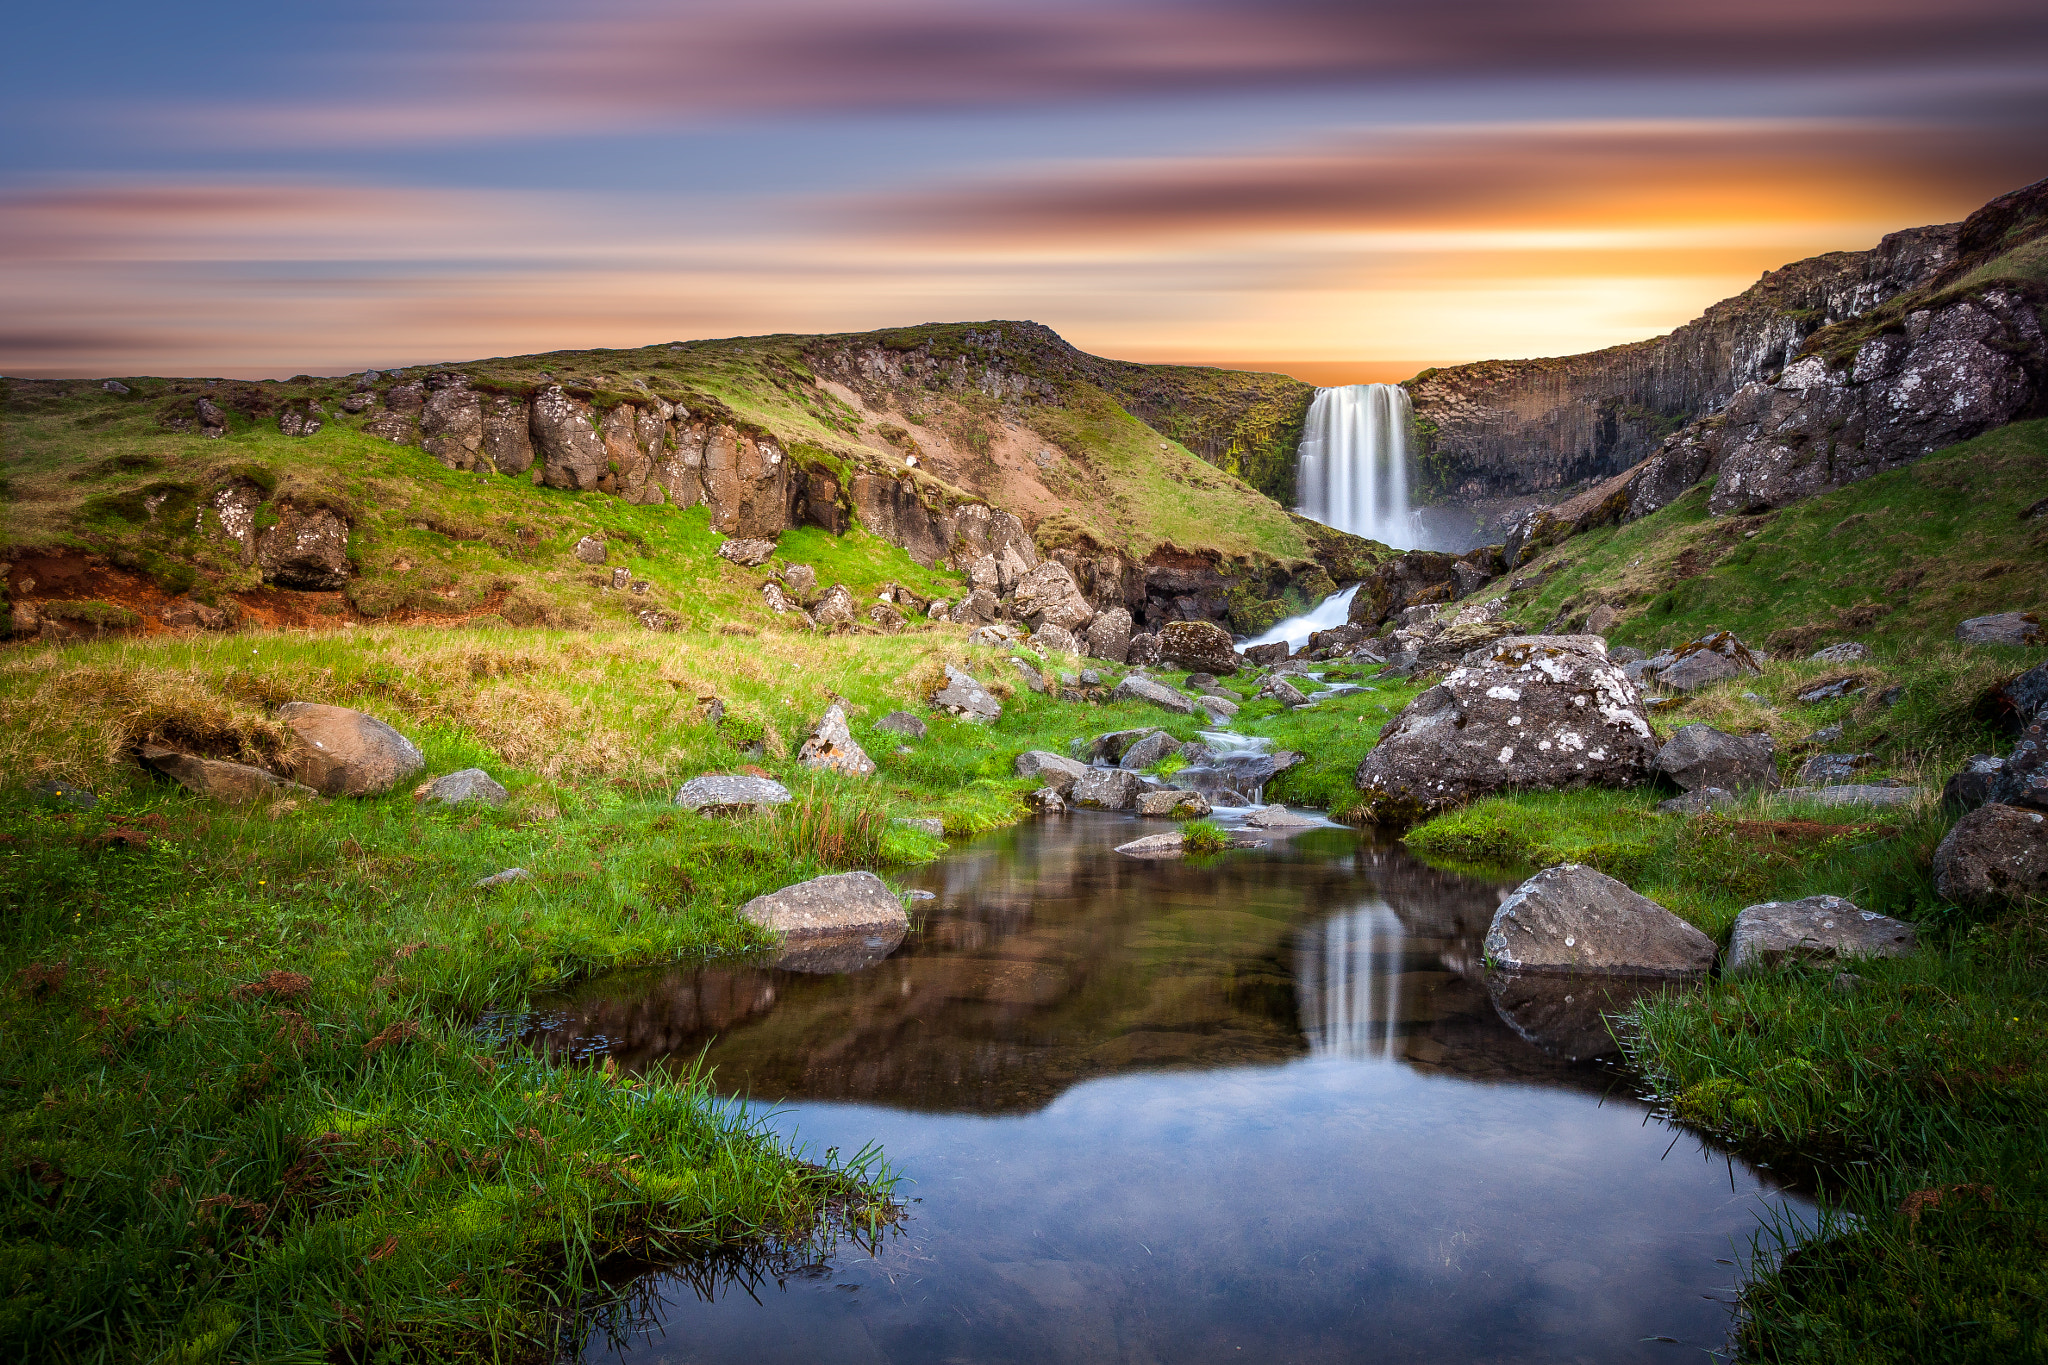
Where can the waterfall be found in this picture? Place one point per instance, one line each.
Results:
(1352, 467)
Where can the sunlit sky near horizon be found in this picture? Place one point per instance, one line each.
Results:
(1349, 190)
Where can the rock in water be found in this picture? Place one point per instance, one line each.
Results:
(230, 782)
(1532, 711)
(831, 747)
(1154, 846)
(1995, 855)
(1046, 801)
(902, 723)
(721, 794)
(845, 903)
(1056, 772)
(1149, 750)
(342, 752)
(1106, 789)
(1815, 928)
(470, 784)
(966, 698)
(747, 552)
(1198, 645)
(1135, 688)
(1573, 919)
(1177, 805)
(1278, 817)
(1701, 756)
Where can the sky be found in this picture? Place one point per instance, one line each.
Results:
(1347, 189)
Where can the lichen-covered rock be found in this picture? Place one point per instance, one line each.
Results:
(1282, 691)
(1822, 769)
(1176, 805)
(1052, 639)
(1031, 677)
(748, 554)
(1048, 596)
(470, 784)
(781, 603)
(453, 425)
(1535, 712)
(1135, 688)
(843, 903)
(835, 608)
(1109, 634)
(887, 617)
(572, 454)
(1200, 645)
(1107, 789)
(978, 606)
(234, 783)
(1972, 786)
(507, 435)
(1574, 919)
(1279, 817)
(1267, 655)
(1046, 801)
(306, 549)
(342, 752)
(801, 580)
(591, 550)
(1852, 794)
(1698, 800)
(1143, 650)
(963, 696)
(2005, 628)
(722, 794)
(2023, 780)
(1817, 928)
(832, 748)
(1052, 770)
(1996, 855)
(1848, 652)
(1701, 756)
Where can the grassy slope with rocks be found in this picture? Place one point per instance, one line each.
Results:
(1916, 1101)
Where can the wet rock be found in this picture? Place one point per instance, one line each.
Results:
(1265, 655)
(1851, 794)
(1177, 805)
(2006, 628)
(727, 794)
(572, 454)
(1108, 636)
(1701, 756)
(841, 904)
(1822, 769)
(1046, 801)
(1202, 645)
(1168, 845)
(1051, 639)
(1538, 712)
(1972, 787)
(591, 550)
(1143, 651)
(902, 723)
(836, 954)
(505, 878)
(1051, 769)
(234, 783)
(1814, 929)
(1849, 652)
(1107, 789)
(835, 608)
(470, 784)
(1135, 688)
(1574, 919)
(747, 553)
(1698, 800)
(342, 752)
(1278, 817)
(1568, 1014)
(307, 549)
(1996, 855)
(832, 748)
(964, 697)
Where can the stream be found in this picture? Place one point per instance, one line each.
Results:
(1268, 1106)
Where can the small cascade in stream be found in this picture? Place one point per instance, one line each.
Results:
(1328, 614)
(1351, 469)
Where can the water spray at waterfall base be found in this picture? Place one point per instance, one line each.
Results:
(1352, 465)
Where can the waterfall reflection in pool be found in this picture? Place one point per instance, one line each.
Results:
(1262, 1106)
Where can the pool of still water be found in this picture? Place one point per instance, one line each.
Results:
(1270, 1106)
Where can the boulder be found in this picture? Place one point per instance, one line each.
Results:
(470, 784)
(1051, 639)
(342, 752)
(1574, 919)
(1201, 645)
(1046, 801)
(1996, 855)
(2006, 628)
(902, 723)
(1849, 652)
(728, 794)
(831, 747)
(964, 697)
(979, 605)
(1695, 671)
(838, 953)
(1177, 805)
(1278, 817)
(800, 579)
(2015, 703)
(1143, 651)
(1972, 787)
(1149, 750)
(1051, 770)
(995, 635)
(835, 608)
(306, 549)
(591, 550)
(1219, 708)
(1701, 756)
(2023, 781)
(1282, 691)
(1817, 928)
(845, 903)
(1107, 789)
(1109, 635)
(1568, 1015)
(747, 552)
(1135, 688)
(1030, 676)
(1169, 845)
(1535, 712)
(1822, 769)
(781, 603)
(234, 783)
(571, 453)
(1265, 655)
(1049, 596)
(1110, 747)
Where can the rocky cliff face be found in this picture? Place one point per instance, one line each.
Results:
(1504, 427)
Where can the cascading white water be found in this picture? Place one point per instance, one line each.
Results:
(1351, 469)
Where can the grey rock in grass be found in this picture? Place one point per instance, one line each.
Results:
(888, 616)
(470, 784)
(1278, 817)
(801, 580)
(1700, 756)
(995, 635)
(343, 752)
(1049, 596)
(2004, 628)
(980, 605)
(306, 549)
(1106, 789)
(68, 794)
(746, 551)
(1996, 855)
(1852, 794)
(1143, 650)
(1051, 769)
(1108, 636)
(781, 603)
(1832, 690)
(724, 793)
(1973, 785)
(1219, 708)
(1090, 678)
(844, 903)
(903, 723)
(1110, 747)
(832, 748)
(1177, 805)
(234, 783)
(1827, 734)
(1697, 800)
(2023, 781)
(1817, 928)
(1149, 750)
(1574, 919)
(2020, 700)
(1822, 769)
(964, 697)
(1696, 671)
(1030, 676)
(835, 608)
(1200, 645)
(591, 550)
(931, 825)
(1135, 688)
(505, 878)
(1282, 691)
(1046, 801)
(1168, 845)
(1848, 652)
(1052, 639)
